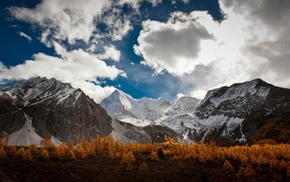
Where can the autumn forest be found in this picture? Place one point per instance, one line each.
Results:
(264, 160)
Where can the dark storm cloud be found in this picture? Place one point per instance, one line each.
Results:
(173, 46)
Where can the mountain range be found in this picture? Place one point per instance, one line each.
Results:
(241, 113)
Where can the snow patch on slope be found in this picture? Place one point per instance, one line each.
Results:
(55, 141)
(179, 122)
(25, 136)
(136, 122)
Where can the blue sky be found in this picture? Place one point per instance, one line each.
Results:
(146, 48)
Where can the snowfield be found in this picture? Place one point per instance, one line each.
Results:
(27, 135)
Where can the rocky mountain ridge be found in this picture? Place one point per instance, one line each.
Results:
(56, 108)
(228, 115)
(235, 107)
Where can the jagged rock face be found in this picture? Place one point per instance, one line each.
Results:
(11, 119)
(56, 108)
(238, 100)
(184, 105)
(240, 111)
(128, 133)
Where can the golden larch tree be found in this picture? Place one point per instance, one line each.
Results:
(228, 166)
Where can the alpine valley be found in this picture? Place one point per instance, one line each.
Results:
(242, 113)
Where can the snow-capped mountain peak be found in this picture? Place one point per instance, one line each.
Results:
(123, 98)
(38, 89)
(120, 105)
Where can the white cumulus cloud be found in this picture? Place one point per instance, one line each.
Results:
(64, 19)
(77, 67)
(111, 53)
(118, 25)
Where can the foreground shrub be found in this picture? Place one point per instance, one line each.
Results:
(153, 156)
(128, 159)
(44, 154)
(228, 166)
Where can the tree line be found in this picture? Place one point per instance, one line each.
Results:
(243, 160)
